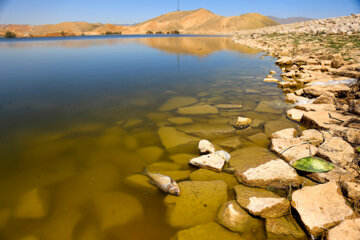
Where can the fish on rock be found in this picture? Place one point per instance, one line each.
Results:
(165, 183)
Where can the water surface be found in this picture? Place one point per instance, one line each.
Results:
(66, 110)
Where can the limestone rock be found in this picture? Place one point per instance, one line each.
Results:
(351, 135)
(198, 110)
(267, 107)
(259, 139)
(284, 61)
(337, 151)
(164, 166)
(208, 231)
(275, 173)
(175, 141)
(316, 107)
(197, 204)
(33, 204)
(351, 190)
(261, 202)
(337, 61)
(285, 133)
(180, 120)
(292, 149)
(151, 154)
(320, 207)
(133, 122)
(295, 114)
(321, 119)
(318, 90)
(348, 229)
(236, 219)
(271, 80)
(208, 175)
(312, 135)
(116, 209)
(272, 72)
(284, 228)
(211, 161)
(326, 98)
(206, 147)
(176, 102)
(228, 106)
(257, 123)
(338, 173)
(182, 158)
(208, 130)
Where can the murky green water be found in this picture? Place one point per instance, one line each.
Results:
(78, 117)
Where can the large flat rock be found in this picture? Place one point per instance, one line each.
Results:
(322, 119)
(208, 175)
(208, 130)
(175, 141)
(275, 173)
(176, 102)
(197, 204)
(261, 202)
(348, 229)
(198, 110)
(337, 151)
(320, 207)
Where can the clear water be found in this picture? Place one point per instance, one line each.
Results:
(64, 105)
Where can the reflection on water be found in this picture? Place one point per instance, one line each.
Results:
(79, 118)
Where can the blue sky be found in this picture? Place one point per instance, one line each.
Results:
(134, 11)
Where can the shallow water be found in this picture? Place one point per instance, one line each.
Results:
(66, 138)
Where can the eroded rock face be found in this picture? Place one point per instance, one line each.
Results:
(337, 151)
(285, 133)
(284, 228)
(275, 173)
(320, 207)
(348, 229)
(261, 202)
(292, 149)
(236, 219)
(208, 231)
(197, 204)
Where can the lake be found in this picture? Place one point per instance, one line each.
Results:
(80, 119)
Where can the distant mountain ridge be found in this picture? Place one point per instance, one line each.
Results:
(289, 19)
(199, 21)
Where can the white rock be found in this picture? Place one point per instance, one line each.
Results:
(320, 207)
(285, 133)
(257, 204)
(312, 135)
(206, 147)
(211, 161)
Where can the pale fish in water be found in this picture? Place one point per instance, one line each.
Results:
(165, 183)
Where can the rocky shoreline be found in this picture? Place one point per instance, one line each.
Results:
(322, 81)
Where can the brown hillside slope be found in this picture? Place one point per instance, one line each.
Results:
(199, 21)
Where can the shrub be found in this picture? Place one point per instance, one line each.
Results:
(9, 34)
(159, 32)
(62, 33)
(149, 32)
(175, 32)
(112, 33)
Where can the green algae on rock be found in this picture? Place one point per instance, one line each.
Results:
(197, 204)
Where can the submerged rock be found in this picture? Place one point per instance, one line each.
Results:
(176, 102)
(208, 130)
(151, 154)
(208, 231)
(164, 166)
(228, 106)
(267, 107)
(33, 204)
(320, 207)
(208, 175)
(337, 151)
(116, 209)
(236, 219)
(348, 229)
(259, 139)
(133, 122)
(275, 173)
(182, 158)
(261, 202)
(274, 126)
(206, 147)
(198, 110)
(175, 141)
(180, 120)
(197, 204)
(284, 228)
(229, 142)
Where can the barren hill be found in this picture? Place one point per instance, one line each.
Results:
(200, 21)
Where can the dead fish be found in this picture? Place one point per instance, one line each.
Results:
(165, 183)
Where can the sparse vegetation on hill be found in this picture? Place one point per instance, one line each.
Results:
(149, 32)
(159, 32)
(112, 33)
(10, 35)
